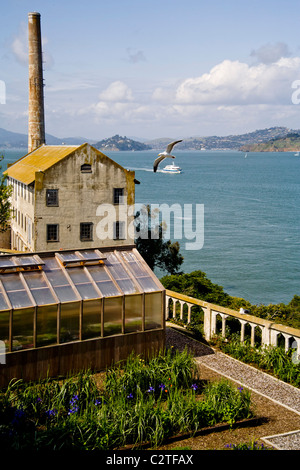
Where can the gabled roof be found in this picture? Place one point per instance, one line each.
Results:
(40, 159)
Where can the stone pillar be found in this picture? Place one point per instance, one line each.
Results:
(243, 323)
(252, 334)
(189, 312)
(167, 306)
(224, 324)
(207, 323)
(174, 307)
(181, 308)
(36, 121)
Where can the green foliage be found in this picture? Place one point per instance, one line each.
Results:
(141, 401)
(5, 206)
(156, 251)
(197, 285)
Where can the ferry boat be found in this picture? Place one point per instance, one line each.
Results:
(171, 169)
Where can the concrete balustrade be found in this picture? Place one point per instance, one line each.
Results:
(270, 332)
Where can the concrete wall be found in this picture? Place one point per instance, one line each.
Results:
(80, 195)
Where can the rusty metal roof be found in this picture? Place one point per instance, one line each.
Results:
(41, 159)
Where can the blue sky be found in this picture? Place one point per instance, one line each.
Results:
(155, 68)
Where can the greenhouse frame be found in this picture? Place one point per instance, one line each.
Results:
(69, 310)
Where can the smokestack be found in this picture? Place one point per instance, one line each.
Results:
(36, 120)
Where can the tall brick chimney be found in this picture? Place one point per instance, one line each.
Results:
(36, 120)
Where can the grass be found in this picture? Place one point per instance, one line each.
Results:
(139, 401)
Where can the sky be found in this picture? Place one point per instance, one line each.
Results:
(154, 68)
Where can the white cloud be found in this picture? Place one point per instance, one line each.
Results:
(233, 97)
(237, 83)
(117, 92)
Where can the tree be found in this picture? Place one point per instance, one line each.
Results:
(5, 206)
(150, 243)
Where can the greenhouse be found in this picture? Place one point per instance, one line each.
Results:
(56, 298)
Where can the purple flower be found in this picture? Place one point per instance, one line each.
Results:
(162, 386)
(130, 395)
(50, 413)
(194, 386)
(73, 406)
(240, 389)
(98, 402)
(150, 389)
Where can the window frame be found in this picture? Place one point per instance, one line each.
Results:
(56, 202)
(84, 225)
(119, 230)
(47, 233)
(86, 168)
(118, 196)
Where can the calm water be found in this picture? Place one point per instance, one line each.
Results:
(251, 222)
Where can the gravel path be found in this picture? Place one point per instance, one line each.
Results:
(260, 382)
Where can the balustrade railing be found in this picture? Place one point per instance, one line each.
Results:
(270, 332)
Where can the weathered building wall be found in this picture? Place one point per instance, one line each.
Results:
(80, 194)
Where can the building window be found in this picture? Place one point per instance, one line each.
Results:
(86, 168)
(52, 233)
(118, 195)
(86, 231)
(119, 230)
(52, 197)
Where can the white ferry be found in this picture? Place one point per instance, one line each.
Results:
(171, 169)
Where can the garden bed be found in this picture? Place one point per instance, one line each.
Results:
(138, 403)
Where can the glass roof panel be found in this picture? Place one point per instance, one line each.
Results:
(119, 273)
(107, 288)
(127, 286)
(98, 273)
(67, 257)
(148, 284)
(57, 277)
(91, 255)
(65, 293)
(28, 261)
(11, 282)
(3, 304)
(34, 279)
(43, 296)
(19, 299)
(78, 275)
(87, 291)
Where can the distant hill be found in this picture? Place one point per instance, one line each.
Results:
(288, 143)
(117, 143)
(230, 142)
(10, 139)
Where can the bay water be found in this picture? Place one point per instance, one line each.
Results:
(251, 215)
